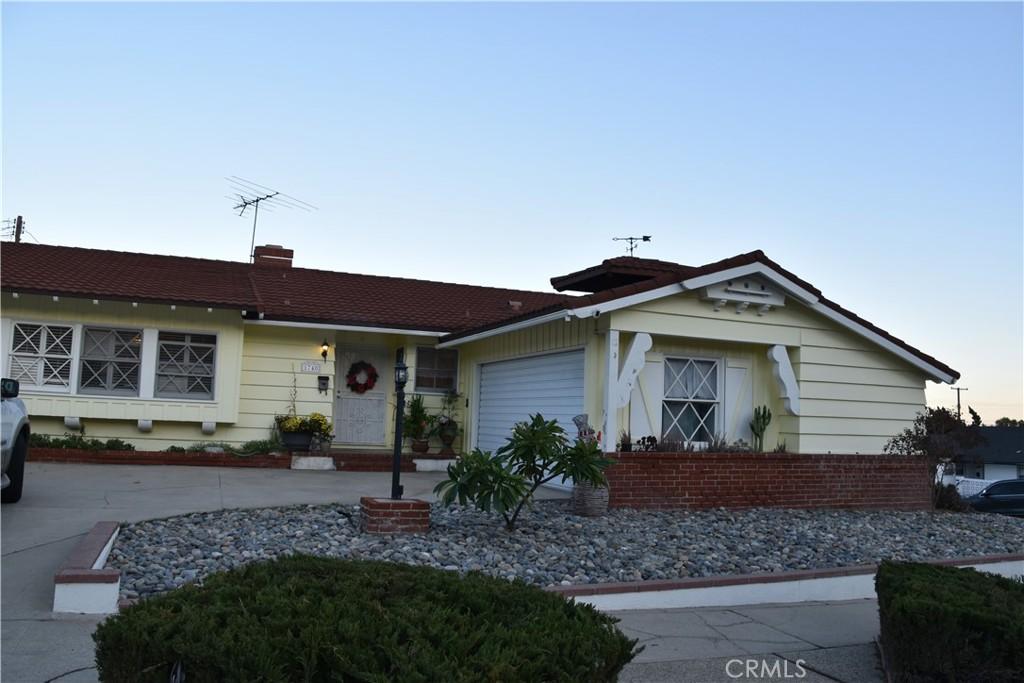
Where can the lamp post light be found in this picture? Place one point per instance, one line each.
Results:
(401, 377)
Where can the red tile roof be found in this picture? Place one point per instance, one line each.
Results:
(280, 293)
(306, 295)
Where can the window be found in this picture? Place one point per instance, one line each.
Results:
(41, 355)
(110, 361)
(184, 365)
(690, 409)
(436, 369)
(1007, 488)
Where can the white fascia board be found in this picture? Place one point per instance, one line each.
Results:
(344, 328)
(511, 327)
(899, 351)
(627, 301)
(751, 269)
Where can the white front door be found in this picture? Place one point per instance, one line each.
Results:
(359, 418)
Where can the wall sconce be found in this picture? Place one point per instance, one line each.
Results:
(324, 348)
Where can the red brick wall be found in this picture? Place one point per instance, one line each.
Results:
(344, 461)
(387, 516)
(705, 480)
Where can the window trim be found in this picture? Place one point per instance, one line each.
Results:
(719, 401)
(156, 364)
(92, 391)
(434, 390)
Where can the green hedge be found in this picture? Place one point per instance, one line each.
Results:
(317, 619)
(950, 624)
(79, 442)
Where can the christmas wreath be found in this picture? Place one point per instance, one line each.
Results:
(361, 377)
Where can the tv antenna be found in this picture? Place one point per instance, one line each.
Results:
(632, 241)
(246, 193)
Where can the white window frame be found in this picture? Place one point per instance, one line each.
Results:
(94, 391)
(434, 390)
(719, 401)
(155, 344)
(72, 358)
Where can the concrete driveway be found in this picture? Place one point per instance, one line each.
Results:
(62, 502)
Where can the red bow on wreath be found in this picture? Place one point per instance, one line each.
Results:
(369, 377)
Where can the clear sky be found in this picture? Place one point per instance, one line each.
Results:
(873, 149)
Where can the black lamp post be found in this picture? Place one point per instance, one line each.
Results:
(401, 377)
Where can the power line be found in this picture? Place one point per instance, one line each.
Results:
(958, 390)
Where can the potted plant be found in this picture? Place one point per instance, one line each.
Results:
(447, 427)
(297, 433)
(418, 425)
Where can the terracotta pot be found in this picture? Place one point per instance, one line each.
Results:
(447, 439)
(420, 445)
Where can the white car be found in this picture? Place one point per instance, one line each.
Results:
(13, 441)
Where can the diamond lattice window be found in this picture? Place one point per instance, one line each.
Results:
(691, 404)
(41, 355)
(110, 361)
(185, 364)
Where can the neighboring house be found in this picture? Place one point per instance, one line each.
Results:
(162, 350)
(1001, 456)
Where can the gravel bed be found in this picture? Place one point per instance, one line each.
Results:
(551, 546)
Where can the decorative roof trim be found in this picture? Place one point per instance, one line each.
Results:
(345, 328)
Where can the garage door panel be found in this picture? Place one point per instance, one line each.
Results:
(510, 391)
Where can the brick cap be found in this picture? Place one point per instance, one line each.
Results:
(372, 503)
(77, 567)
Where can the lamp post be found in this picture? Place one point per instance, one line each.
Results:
(401, 377)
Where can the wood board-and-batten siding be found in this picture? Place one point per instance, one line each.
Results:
(853, 395)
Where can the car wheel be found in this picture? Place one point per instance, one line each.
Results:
(16, 471)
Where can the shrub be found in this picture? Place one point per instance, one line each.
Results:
(319, 619)
(537, 452)
(417, 423)
(950, 624)
(79, 442)
(946, 497)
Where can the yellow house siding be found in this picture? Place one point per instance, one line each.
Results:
(546, 338)
(854, 395)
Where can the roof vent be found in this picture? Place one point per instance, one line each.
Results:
(515, 305)
(272, 255)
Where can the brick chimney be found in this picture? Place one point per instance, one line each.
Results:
(272, 255)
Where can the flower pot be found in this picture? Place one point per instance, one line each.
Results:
(447, 439)
(589, 501)
(420, 445)
(296, 441)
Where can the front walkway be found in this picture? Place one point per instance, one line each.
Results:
(830, 641)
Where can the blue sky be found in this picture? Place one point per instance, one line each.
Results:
(873, 149)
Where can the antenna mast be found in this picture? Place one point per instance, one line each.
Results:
(248, 193)
(632, 241)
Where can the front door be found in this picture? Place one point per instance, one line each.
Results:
(359, 418)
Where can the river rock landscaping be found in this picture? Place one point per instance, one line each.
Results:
(551, 546)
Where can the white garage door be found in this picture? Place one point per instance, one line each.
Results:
(512, 390)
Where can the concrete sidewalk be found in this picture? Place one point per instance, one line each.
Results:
(831, 641)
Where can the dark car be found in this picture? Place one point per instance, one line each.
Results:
(1005, 497)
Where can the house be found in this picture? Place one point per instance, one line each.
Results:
(162, 350)
(1000, 455)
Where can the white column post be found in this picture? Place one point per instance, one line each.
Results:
(147, 370)
(611, 380)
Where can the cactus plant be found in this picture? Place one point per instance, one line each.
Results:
(759, 425)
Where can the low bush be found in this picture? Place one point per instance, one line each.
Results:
(319, 619)
(946, 497)
(77, 441)
(257, 447)
(950, 624)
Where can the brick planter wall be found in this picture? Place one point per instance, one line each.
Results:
(344, 461)
(706, 480)
(387, 516)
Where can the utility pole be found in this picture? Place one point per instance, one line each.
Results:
(958, 390)
(18, 226)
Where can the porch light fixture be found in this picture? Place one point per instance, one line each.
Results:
(324, 348)
(401, 377)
